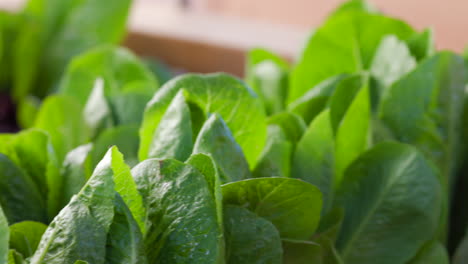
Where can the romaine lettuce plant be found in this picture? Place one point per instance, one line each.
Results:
(350, 155)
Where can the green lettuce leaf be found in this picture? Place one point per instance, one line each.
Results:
(461, 253)
(275, 160)
(9, 23)
(26, 58)
(124, 137)
(25, 237)
(129, 105)
(26, 111)
(344, 44)
(20, 198)
(433, 253)
(61, 30)
(38, 158)
(124, 240)
(292, 124)
(305, 252)
(79, 231)
(4, 237)
(250, 238)
(173, 137)
(182, 219)
(96, 111)
(126, 186)
(314, 157)
(15, 257)
(424, 109)
(392, 60)
(422, 45)
(316, 99)
(116, 66)
(268, 74)
(292, 205)
(352, 133)
(75, 171)
(206, 165)
(216, 139)
(61, 117)
(392, 200)
(214, 93)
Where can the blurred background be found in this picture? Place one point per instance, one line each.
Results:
(448, 18)
(213, 35)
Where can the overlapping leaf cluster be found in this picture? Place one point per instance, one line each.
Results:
(379, 114)
(348, 156)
